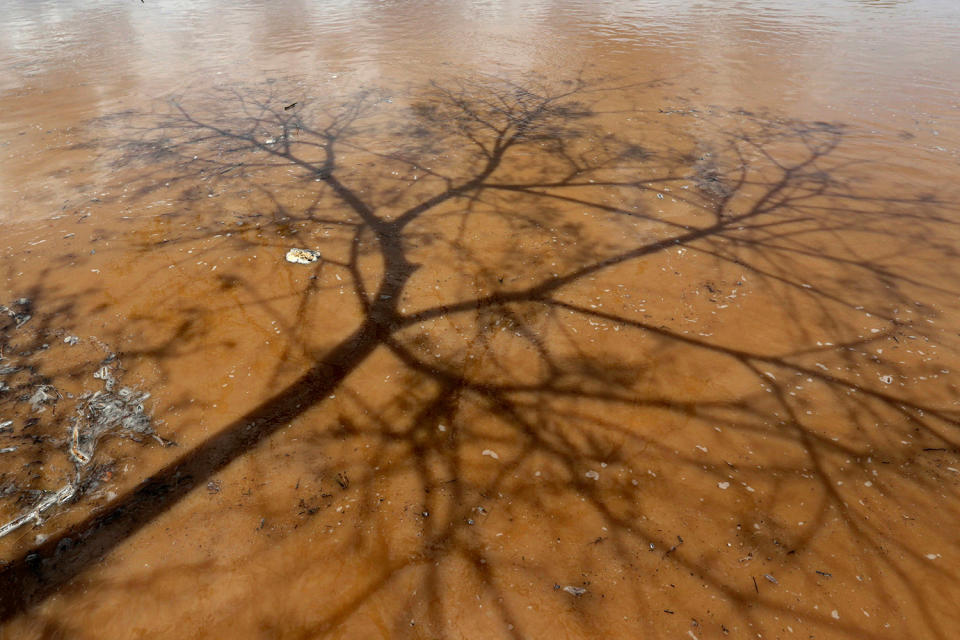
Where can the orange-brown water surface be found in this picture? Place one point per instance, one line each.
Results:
(623, 320)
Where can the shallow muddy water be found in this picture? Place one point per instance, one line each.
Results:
(629, 319)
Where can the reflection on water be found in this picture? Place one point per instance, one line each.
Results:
(630, 319)
(888, 67)
(895, 43)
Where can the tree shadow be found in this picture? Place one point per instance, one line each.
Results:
(702, 336)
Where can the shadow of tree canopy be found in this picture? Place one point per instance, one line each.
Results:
(591, 368)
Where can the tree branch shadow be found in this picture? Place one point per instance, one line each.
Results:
(553, 294)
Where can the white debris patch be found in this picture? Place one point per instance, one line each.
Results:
(302, 256)
(35, 515)
(104, 411)
(37, 423)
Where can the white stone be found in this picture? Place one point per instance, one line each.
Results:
(302, 256)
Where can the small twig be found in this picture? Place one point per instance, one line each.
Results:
(34, 515)
(78, 455)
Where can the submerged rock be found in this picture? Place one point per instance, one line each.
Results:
(302, 256)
